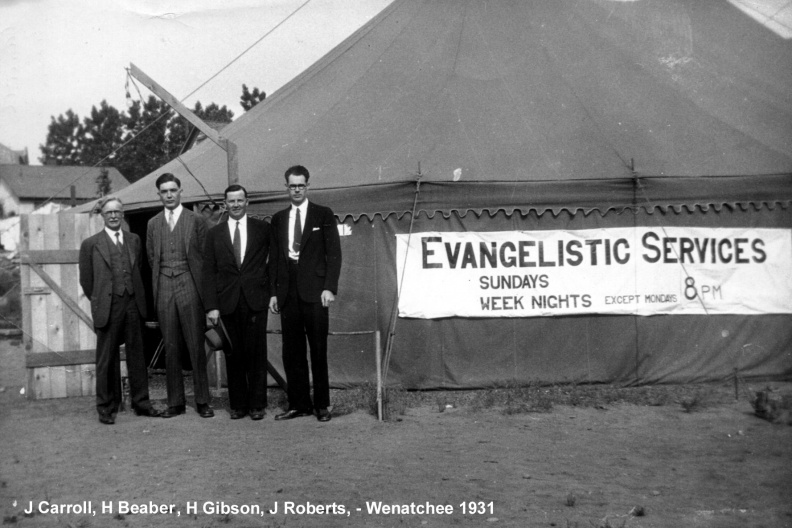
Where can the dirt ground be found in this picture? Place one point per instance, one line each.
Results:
(573, 467)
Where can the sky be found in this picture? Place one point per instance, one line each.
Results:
(56, 55)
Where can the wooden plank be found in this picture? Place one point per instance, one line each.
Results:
(24, 280)
(58, 382)
(174, 103)
(30, 383)
(70, 281)
(38, 315)
(71, 303)
(59, 358)
(38, 303)
(88, 378)
(232, 161)
(51, 256)
(39, 290)
(85, 226)
(41, 384)
(51, 224)
(36, 232)
(73, 380)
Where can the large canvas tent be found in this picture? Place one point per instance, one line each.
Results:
(463, 115)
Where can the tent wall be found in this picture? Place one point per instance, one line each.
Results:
(470, 353)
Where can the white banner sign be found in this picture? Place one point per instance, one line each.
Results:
(641, 271)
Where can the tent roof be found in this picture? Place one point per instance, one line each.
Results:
(586, 94)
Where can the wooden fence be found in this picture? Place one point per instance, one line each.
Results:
(58, 332)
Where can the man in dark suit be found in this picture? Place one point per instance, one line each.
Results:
(305, 264)
(236, 290)
(175, 240)
(110, 278)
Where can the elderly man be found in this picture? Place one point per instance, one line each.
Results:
(110, 277)
(174, 242)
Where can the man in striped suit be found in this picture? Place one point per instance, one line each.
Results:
(174, 242)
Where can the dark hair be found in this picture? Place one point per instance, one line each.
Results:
(165, 178)
(297, 170)
(234, 187)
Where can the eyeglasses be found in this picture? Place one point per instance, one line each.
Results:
(298, 187)
(113, 213)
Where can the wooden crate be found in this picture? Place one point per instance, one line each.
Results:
(60, 343)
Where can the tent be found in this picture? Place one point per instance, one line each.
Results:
(462, 116)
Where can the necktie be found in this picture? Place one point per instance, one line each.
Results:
(171, 223)
(237, 246)
(297, 231)
(119, 244)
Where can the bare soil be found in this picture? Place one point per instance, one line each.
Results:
(619, 465)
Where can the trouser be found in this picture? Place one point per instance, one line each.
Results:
(182, 320)
(300, 322)
(246, 365)
(124, 326)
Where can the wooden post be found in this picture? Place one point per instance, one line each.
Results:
(736, 385)
(378, 354)
(174, 103)
(186, 113)
(233, 162)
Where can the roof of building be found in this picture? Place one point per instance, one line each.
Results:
(42, 182)
(11, 156)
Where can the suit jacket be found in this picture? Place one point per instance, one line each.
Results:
(320, 255)
(223, 281)
(195, 227)
(96, 275)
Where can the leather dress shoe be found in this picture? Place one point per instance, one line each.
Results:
(323, 415)
(170, 412)
(147, 411)
(288, 415)
(257, 414)
(106, 419)
(237, 414)
(204, 411)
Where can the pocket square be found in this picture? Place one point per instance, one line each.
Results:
(315, 229)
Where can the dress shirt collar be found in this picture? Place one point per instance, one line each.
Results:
(232, 224)
(112, 235)
(303, 207)
(176, 213)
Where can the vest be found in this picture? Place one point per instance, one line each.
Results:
(173, 252)
(121, 266)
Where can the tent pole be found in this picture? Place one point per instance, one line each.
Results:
(378, 355)
(395, 310)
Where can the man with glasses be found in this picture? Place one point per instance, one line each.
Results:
(304, 268)
(110, 277)
(174, 242)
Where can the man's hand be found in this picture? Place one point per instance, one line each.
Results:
(327, 298)
(273, 306)
(213, 316)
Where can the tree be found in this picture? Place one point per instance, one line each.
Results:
(146, 146)
(103, 183)
(180, 128)
(102, 133)
(62, 146)
(137, 142)
(250, 99)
